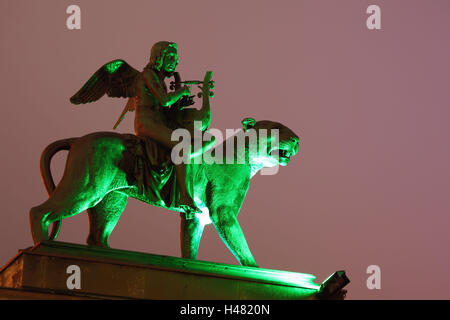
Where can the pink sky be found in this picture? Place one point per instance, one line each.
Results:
(371, 183)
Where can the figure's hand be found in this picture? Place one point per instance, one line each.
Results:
(186, 101)
(186, 91)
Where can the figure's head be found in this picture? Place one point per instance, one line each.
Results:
(279, 148)
(164, 56)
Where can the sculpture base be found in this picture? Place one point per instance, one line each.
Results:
(41, 272)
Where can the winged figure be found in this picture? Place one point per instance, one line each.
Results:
(158, 111)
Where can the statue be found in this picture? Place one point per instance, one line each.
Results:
(103, 169)
(149, 97)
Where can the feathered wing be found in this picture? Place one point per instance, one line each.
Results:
(116, 78)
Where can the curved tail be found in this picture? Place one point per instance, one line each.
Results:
(46, 174)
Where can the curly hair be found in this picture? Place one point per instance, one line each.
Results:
(158, 52)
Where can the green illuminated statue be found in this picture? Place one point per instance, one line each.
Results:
(103, 169)
(149, 97)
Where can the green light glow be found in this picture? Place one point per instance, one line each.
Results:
(268, 276)
(113, 66)
(204, 216)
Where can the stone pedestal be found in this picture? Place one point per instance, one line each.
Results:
(41, 272)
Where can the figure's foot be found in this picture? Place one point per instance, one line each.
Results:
(189, 208)
(97, 242)
(39, 228)
(189, 211)
(250, 264)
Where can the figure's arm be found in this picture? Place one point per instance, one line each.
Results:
(165, 99)
(203, 115)
(228, 228)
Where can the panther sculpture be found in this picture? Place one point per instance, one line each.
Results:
(95, 180)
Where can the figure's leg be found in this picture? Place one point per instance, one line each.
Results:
(59, 206)
(228, 228)
(104, 217)
(71, 197)
(39, 227)
(190, 234)
(155, 130)
(161, 133)
(185, 184)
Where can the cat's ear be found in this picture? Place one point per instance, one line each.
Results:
(248, 123)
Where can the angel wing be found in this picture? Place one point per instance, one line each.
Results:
(116, 78)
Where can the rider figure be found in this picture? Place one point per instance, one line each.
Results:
(151, 120)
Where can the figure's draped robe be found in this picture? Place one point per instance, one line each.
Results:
(149, 167)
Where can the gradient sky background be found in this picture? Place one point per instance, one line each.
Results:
(371, 183)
